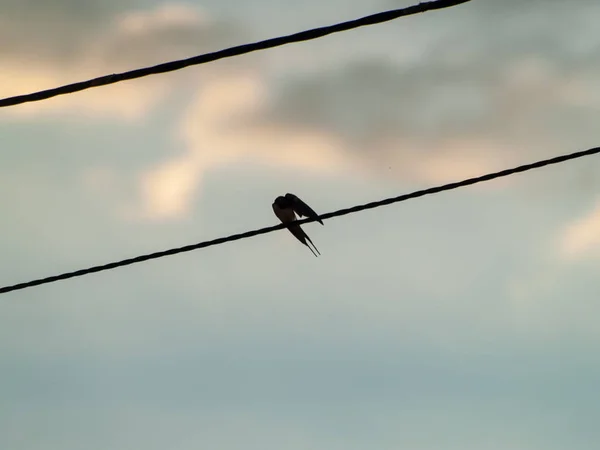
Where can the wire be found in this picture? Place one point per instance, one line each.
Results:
(341, 212)
(229, 52)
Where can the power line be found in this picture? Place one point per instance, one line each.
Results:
(307, 35)
(341, 212)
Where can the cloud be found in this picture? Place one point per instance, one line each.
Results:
(464, 108)
(167, 190)
(370, 100)
(581, 238)
(132, 39)
(111, 103)
(524, 88)
(215, 132)
(370, 117)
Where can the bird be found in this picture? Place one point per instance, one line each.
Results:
(286, 207)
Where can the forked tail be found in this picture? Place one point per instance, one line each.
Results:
(312, 245)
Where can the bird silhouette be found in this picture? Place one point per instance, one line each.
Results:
(286, 207)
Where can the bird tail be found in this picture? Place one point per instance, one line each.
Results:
(312, 245)
(313, 252)
(302, 237)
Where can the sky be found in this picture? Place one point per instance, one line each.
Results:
(464, 320)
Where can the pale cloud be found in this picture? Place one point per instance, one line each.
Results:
(168, 189)
(431, 122)
(164, 16)
(214, 132)
(220, 126)
(581, 238)
(119, 102)
(132, 39)
(458, 159)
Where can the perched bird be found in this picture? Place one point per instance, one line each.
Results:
(286, 207)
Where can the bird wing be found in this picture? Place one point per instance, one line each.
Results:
(302, 209)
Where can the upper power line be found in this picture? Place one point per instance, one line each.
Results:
(341, 212)
(229, 52)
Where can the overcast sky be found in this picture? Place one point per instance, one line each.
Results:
(465, 320)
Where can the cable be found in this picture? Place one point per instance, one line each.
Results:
(341, 212)
(229, 52)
